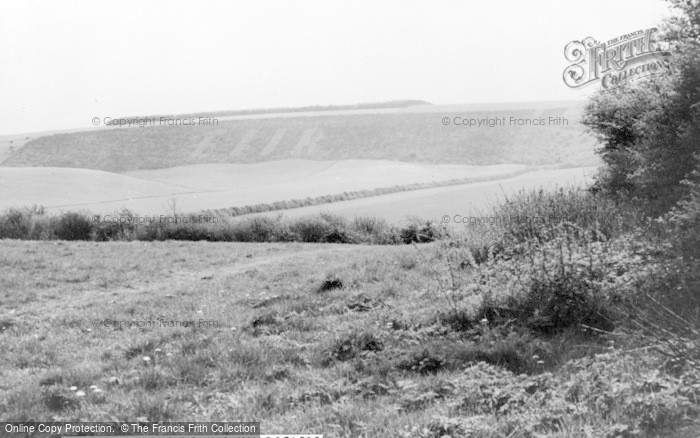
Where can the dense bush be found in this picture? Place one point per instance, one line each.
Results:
(419, 232)
(260, 229)
(564, 282)
(27, 223)
(651, 146)
(536, 214)
(650, 129)
(539, 216)
(325, 228)
(73, 226)
(16, 224)
(377, 229)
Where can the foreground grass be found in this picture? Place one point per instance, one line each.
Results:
(335, 339)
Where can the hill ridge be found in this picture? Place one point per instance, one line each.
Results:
(417, 136)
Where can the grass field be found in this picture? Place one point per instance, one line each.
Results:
(56, 187)
(218, 186)
(460, 200)
(363, 345)
(335, 176)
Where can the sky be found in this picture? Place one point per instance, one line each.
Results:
(63, 63)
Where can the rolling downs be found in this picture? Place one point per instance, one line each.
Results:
(200, 187)
(414, 134)
(260, 158)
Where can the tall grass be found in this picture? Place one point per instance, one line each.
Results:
(539, 215)
(570, 258)
(536, 213)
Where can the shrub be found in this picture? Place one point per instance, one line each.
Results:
(562, 301)
(650, 129)
(34, 223)
(324, 228)
(27, 223)
(312, 229)
(15, 224)
(685, 219)
(420, 232)
(375, 230)
(73, 226)
(547, 286)
(369, 225)
(536, 214)
(563, 283)
(259, 229)
(106, 231)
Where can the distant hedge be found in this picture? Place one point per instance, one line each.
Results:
(34, 223)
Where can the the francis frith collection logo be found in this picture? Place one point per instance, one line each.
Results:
(614, 62)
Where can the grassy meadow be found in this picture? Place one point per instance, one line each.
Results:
(511, 329)
(233, 188)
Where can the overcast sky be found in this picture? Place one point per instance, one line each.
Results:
(62, 63)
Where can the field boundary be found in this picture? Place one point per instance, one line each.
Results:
(358, 194)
